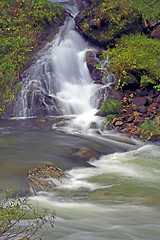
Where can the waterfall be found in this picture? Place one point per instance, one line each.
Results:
(59, 82)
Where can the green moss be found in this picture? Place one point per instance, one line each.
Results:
(85, 27)
(150, 9)
(109, 20)
(110, 117)
(111, 106)
(21, 25)
(150, 129)
(137, 55)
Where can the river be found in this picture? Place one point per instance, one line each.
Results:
(114, 197)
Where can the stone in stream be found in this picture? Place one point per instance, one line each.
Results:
(86, 154)
(44, 178)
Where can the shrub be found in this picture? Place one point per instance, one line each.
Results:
(111, 106)
(15, 210)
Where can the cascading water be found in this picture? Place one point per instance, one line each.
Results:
(115, 197)
(59, 82)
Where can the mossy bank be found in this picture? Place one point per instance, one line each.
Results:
(22, 27)
(129, 31)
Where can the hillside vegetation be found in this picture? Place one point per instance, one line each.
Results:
(21, 24)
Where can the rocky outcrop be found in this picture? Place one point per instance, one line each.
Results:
(139, 107)
(45, 178)
(92, 60)
(152, 28)
(102, 24)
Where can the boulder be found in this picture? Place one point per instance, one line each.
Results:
(139, 101)
(115, 94)
(142, 109)
(45, 178)
(92, 59)
(86, 154)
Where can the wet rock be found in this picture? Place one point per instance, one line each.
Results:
(149, 100)
(153, 93)
(154, 137)
(118, 123)
(139, 101)
(153, 106)
(110, 78)
(158, 113)
(125, 100)
(115, 94)
(86, 154)
(44, 178)
(96, 75)
(93, 125)
(25, 238)
(152, 24)
(158, 99)
(156, 32)
(130, 119)
(134, 107)
(92, 59)
(142, 109)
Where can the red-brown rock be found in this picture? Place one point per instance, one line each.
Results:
(118, 123)
(156, 32)
(139, 101)
(142, 109)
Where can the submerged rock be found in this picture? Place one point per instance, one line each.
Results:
(44, 178)
(86, 154)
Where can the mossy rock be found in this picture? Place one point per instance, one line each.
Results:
(111, 106)
(104, 23)
(42, 179)
(150, 130)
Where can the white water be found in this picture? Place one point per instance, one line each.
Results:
(61, 74)
(119, 197)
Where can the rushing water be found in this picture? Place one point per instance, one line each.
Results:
(115, 197)
(118, 197)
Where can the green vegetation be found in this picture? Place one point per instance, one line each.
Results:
(12, 213)
(111, 106)
(150, 128)
(110, 117)
(109, 20)
(85, 27)
(150, 9)
(21, 24)
(135, 57)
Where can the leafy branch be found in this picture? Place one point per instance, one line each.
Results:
(18, 218)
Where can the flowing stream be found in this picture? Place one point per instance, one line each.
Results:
(115, 197)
